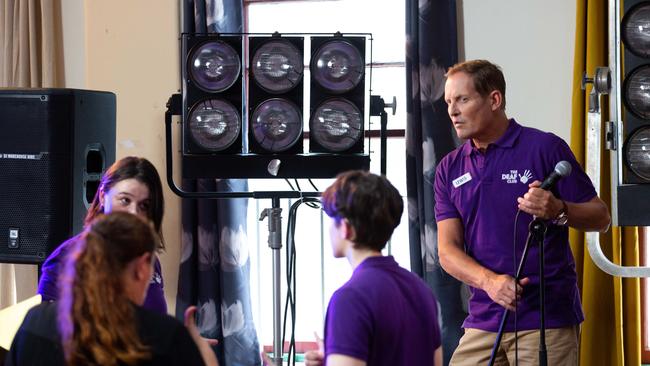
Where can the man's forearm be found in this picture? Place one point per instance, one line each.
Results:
(457, 263)
(589, 216)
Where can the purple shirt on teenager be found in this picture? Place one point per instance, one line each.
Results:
(481, 190)
(48, 285)
(384, 315)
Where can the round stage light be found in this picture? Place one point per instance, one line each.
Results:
(635, 30)
(214, 124)
(637, 152)
(214, 66)
(337, 66)
(276, 124)
(277, 66)
(636, 91)
(336, 125)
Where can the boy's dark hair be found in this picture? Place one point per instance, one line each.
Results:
(372, 206)
(487, 77)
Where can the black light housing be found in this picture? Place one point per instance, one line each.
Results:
(635, 31)
(276, 95)
(337, 96)
(217, 82)
(628, 132)
(212, 94)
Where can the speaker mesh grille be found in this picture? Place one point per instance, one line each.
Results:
(33, 195)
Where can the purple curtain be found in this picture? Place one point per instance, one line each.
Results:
(431, 48)
(215, 267)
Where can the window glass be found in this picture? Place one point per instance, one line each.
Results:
(385, 19)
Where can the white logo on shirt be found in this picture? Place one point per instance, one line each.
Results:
(524, 178)
(461, 180)
(156, 278)
(514, 177)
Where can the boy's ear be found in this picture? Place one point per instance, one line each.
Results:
(348, 230)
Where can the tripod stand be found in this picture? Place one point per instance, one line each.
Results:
(536, 233)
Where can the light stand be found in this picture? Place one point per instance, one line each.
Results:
(275, 243)
(273, 213)
(536, 234)
(378, 108)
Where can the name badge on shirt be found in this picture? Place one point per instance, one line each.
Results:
(461, 180)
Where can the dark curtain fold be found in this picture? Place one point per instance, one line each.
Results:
(431, 48)
(215, 267)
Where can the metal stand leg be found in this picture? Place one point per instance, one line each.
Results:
(275, 243)
(536, 232)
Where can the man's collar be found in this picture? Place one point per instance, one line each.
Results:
(506, 141)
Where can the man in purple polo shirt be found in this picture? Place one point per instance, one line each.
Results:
(384, 315)
(479, 187)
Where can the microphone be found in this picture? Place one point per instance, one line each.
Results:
(562, 169)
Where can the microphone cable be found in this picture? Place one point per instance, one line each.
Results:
(515, 261)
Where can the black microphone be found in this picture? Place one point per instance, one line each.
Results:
(562, 169)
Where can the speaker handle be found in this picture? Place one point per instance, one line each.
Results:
(95, 164)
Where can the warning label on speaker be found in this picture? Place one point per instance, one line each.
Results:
(21, 156)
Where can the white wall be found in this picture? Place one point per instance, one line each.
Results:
(532, 41)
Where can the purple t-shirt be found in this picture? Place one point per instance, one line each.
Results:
(48, 285)
(384, 315)
(481, 190)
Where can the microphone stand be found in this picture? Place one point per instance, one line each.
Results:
(536, 233)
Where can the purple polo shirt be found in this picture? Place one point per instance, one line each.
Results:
(481, 190)
(48, 285)
(384, 315)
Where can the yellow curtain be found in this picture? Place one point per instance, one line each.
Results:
(31, 56)
(611, 333)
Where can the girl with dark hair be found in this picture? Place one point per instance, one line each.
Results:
(99, 319)
(132, 185)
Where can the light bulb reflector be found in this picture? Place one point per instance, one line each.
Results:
(277, 66)
(214, 124)
(637, 152)
(637, 91)
(336, 125)
(276, 124)
(338, 66)
(636, 30)
(214, 66)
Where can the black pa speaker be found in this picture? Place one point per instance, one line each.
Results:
(54, 146)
